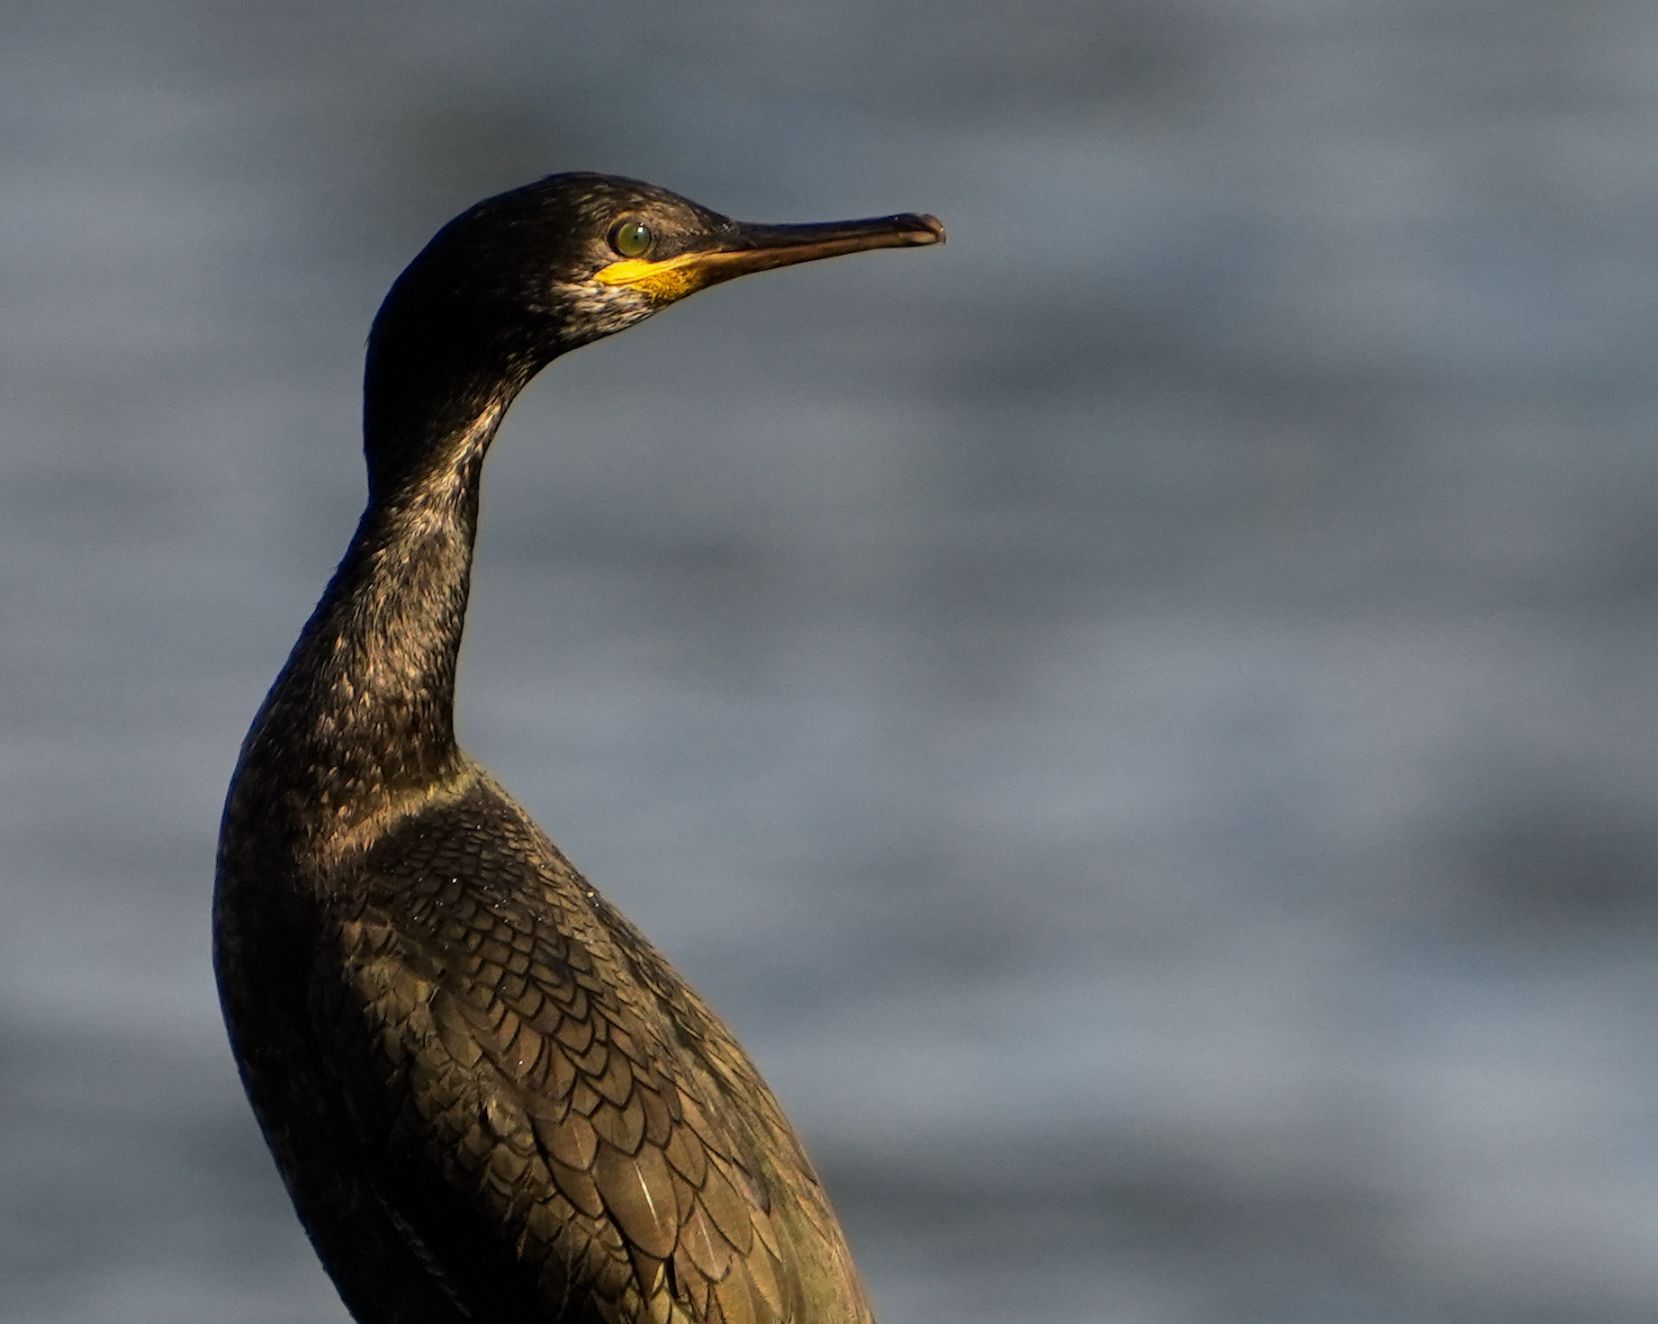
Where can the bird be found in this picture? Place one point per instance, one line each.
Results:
(489, 1096)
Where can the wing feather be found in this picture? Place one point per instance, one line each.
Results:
(543, 1065)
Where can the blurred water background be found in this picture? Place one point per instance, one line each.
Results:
(1143, 718)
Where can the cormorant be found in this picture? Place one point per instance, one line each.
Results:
(491, 1099)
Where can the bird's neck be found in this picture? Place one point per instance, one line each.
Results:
(362, 716)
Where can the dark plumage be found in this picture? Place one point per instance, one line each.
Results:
(490, 1097)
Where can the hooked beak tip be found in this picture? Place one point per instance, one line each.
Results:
(929, 229)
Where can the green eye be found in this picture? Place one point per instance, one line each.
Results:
(631, 238)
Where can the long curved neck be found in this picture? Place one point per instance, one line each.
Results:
(363, 712)
(361, 721)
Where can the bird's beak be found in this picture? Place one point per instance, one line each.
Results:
(742, 248)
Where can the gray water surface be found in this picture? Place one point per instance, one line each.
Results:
(1142, 718)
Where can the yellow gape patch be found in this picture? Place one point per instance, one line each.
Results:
(667, 280)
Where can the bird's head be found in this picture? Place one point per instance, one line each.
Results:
(520, 278)
(575, 257)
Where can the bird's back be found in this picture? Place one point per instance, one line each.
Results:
(494, 1099)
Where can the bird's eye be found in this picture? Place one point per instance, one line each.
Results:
(631, 237)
